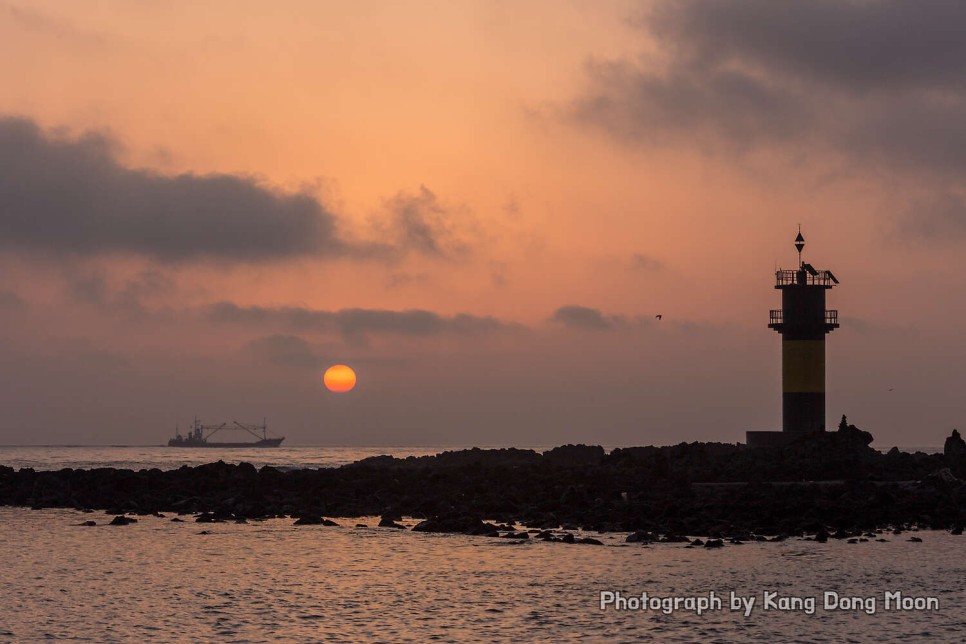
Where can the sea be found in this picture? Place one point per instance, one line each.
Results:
(160, 580)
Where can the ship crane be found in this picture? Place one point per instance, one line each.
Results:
(254, 429)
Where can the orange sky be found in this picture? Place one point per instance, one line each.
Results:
(509, 159)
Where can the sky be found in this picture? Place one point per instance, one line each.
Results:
(482, 207)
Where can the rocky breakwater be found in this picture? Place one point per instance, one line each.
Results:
(833, 482)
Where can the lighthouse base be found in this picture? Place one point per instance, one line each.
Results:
(773, 439)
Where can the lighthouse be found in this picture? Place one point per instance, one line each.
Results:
(803, 322)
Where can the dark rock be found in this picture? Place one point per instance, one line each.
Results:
(568, 538)
(89, 524)
(207, 517)
(671, 490)
(640, 536)
(308, 520)
(177, 520)
(853, 435)
(590, 541)
(943, 477)
(457, 523)
(822, 536)
(697, 542)
(955, 447)
(714, 543)
(958, 530)
(674, 538)
(122, 520)
(361, 525)
(329, 522)
(388, 522)
(914, 539)
(575, 455)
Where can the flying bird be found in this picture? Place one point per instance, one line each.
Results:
(659, 316)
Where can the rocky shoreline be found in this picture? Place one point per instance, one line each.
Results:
(828, 485)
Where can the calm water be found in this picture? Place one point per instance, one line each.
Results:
(270, 581)
(159, 580)
(170, 458)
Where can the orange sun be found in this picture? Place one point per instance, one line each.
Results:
(339, 378)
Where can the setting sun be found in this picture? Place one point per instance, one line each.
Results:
(339, 378)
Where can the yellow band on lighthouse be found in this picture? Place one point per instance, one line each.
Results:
(803, 366)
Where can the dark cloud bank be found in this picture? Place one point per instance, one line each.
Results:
(880, 81)
(357, 322)
(71, 196)
(574, 316)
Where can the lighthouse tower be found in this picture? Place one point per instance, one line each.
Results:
(803, 321)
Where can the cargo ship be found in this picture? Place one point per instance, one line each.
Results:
(200, 436)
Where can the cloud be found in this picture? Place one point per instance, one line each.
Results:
(938, 217)
(582, 317)
(421, 223)
(854, 45)
(130, 296)
(642, 262)
(877, 81)
(358, 322)
(71, 196)
(285, 350)
(10, 300)
(61, 31)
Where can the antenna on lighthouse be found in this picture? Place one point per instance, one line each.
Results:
(799, 244)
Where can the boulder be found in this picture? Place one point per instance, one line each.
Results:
(207, 517)
(943, 477)
(388, 522)
(955, 447)
(674, 538)
(640, 536)
(122, 520)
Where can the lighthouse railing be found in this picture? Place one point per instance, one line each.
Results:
(786, 277)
